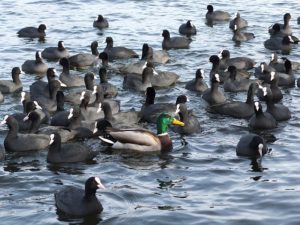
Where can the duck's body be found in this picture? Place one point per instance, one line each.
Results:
(68, 78)
(140, 139)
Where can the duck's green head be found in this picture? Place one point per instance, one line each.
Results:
(163, 122)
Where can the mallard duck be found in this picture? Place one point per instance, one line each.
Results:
(141, 139)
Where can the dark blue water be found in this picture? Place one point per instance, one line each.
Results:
(203, 182)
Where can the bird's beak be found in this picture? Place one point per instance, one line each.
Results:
(177, 122)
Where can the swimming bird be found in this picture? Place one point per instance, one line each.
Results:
(215, 61)
(49, 102)
(118, 52)
(287, 79)
(285, 28)
(100, 22)
(251, 145)
(83, 60)
(277, 33)
(278, 111)
(279, 66)
(120, 119)
(216, 15)
(2, 153)
(174, 42)
(214, 95)
(17, 142)
(280, 44)
(240, 62)
(80, 202)
(109, 90)
(187, 28)
(138, 82)
(191, 123)
(41, 87)
(14, 85)
(140, 139)
(33, 32)
(240, 36)
(276, 91)
(234, 85)
(261, 120)
(99, 98)
(55, 53)
(150, 110)
(68, 78)
(67, 153)
(238, 21)
(155, 56)
(198, 83)
(36, 66)
(237, 109)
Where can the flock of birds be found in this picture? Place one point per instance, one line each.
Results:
(44, 122)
